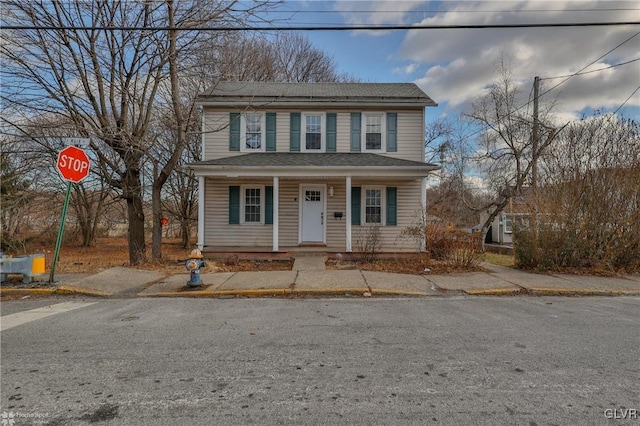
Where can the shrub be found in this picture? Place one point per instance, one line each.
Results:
(447, 244)
(368, 241)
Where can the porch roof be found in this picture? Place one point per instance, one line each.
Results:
(312, 164)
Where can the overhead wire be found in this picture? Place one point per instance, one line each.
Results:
(380, 27)
(625, 101)
(592, 71)
(484, 128)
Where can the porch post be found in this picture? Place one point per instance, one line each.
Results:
(423, 205)
(200, 213)
(348, 219)
(276, 216)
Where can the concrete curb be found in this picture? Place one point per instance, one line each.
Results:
(27, 291)
(390, 292)
(67, 289)
(281, 292)
(496, 291)
(550, 291)
(330, 290)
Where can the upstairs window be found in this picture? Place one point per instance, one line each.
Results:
(313, 132)
(252, 132)
(374, 131)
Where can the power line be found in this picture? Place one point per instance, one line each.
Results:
(563, 81)
(589, 72)
(381, 27)
(591, 63)
(625, 101)
(374, 12)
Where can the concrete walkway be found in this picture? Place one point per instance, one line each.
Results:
(310, 263)
(310, 277)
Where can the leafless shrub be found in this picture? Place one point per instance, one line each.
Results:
(588, 211)
(368, 241)
(443, 243)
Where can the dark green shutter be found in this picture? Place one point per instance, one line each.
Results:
(355, 205)
(234, 205)
(392, 132)
(234, 131)
(268, 205)
(392, 206)
(331, 132)
(356, 124)
(294, 137)
(271, 131)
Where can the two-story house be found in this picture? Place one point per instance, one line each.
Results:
(290, 165)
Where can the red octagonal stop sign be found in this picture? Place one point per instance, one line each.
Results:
(73, 164)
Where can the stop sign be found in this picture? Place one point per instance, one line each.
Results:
(73, 164)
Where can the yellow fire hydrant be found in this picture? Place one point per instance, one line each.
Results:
(193, 265)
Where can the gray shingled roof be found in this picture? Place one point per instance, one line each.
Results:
(317, 92)
(300, 159)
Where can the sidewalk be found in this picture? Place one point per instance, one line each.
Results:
(309, 277)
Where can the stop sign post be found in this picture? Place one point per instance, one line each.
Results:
(73, 165)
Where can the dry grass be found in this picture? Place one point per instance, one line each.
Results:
(113, 252)
(401, 264)
(498, 259)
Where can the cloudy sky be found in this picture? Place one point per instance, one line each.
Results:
(454, 65)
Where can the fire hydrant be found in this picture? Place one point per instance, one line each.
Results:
(193, 265)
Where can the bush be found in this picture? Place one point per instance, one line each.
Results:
(447, 244)
(368, 242)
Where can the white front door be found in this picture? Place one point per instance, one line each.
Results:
(312, 217)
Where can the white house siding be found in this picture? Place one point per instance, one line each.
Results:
(407, 215)
(410, 136)
(410, 133)
(216, 135)
(218, 232)
(289, 208)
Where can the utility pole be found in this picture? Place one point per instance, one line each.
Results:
(535, 136)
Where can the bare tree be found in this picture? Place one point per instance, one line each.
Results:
(101, 65)
(589, 199)
(285, 57)
(505, 145)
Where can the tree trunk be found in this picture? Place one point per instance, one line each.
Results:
(156, 207)
(132, 192)
(185, 233)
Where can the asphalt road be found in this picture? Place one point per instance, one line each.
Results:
(452, 361)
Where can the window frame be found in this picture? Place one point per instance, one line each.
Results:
(507, 225)
(383, 131)
(263, 202)
(263, 131)
(383, 205)
(303, 131)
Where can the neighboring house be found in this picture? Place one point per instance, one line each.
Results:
(290, 165)
(501, 229)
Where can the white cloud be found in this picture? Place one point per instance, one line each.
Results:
(380, 12)
(406, 70)
(461, 63)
